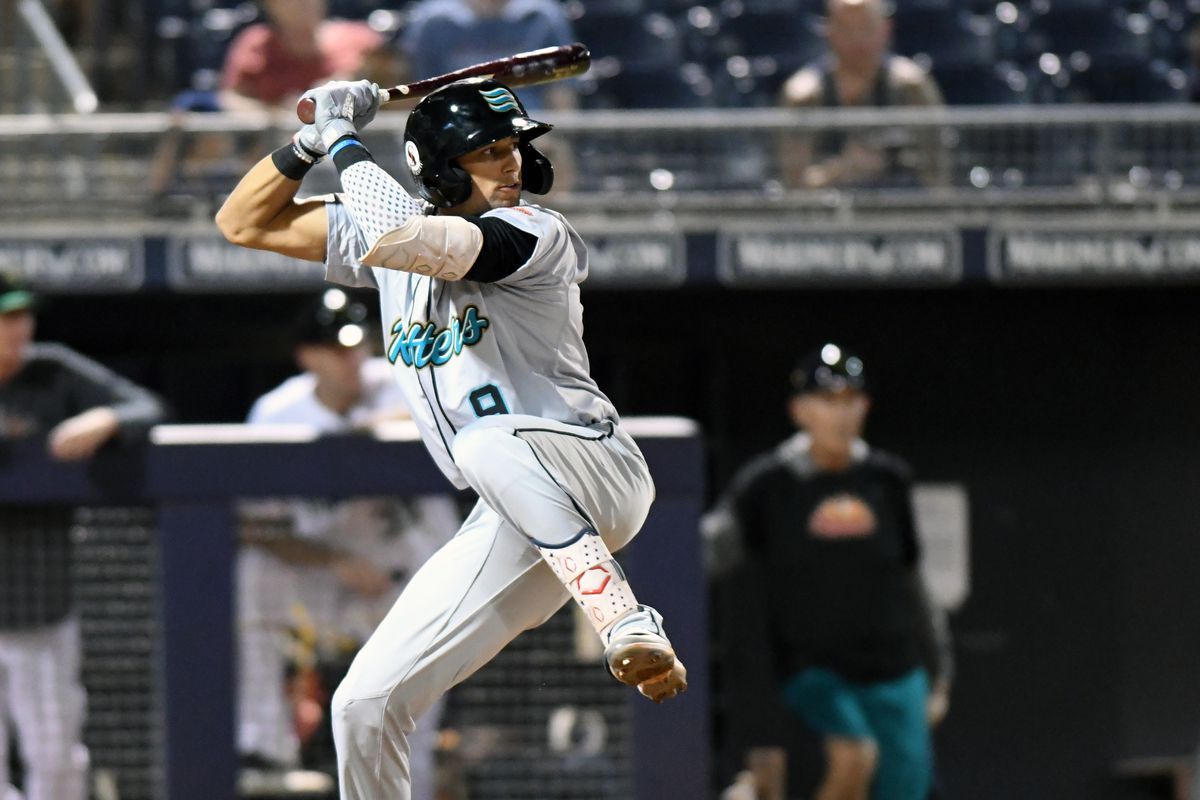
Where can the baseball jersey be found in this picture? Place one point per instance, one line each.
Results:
(462, 350)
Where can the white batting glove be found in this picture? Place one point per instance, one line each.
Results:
(308, 139)
(343, 108)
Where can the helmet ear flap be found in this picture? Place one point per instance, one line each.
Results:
(447, 187)
(537, 173)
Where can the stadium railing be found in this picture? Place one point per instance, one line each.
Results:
(687, 162)
(1060, 194)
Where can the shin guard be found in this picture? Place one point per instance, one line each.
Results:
(594, 579)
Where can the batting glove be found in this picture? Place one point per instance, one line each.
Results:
(342, 108)
(308, 139)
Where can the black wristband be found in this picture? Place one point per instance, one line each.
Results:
(291, 162)
(349, 150)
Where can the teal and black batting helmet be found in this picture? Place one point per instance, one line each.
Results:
(462, 117)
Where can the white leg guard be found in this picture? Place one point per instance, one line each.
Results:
(594, 579)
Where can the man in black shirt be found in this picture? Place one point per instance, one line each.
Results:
(830, 523)
(77, 406)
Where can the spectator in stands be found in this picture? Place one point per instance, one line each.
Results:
(77, 406)
(270, 64)
(329, 571)
(1193, 47)
(267, 67)
(445, 35)
(829, 523)
(859, 71)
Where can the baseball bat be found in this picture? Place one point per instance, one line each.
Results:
(522, 69)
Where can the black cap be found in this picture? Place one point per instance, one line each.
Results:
(333, 317)
(829, 368)
(15, 296)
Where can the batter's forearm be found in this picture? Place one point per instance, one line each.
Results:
(260, 197)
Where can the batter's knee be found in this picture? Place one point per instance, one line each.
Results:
(357, 721)
(479, 450)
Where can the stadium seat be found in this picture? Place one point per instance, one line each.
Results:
(1102, 32)
(742, 81)
(1144, 82)
(632, 88)
(947, 36)
(637, 41)
(791, 39)
(976, 84)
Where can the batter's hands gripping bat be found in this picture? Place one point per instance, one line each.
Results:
(522, 69)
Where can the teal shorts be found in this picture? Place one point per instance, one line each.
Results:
(891, 714)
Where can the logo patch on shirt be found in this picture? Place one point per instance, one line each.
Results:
(499, 99)
(842, 516)
(422, 345)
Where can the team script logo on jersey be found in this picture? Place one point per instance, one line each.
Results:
(843, 516)
(499, 99)
(422, 345)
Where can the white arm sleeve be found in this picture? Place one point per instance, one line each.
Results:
(377, 201)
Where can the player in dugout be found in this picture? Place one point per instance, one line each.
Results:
(77, 406)
(483, 326)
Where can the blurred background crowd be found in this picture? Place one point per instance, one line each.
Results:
(673, 53)
(990, 204)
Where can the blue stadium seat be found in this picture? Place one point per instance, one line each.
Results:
(978, 84)
(680, 87)
(790, 39)
(637, 41)
(1145, 82)
(746, 82)
(947, 36)
(1103, 32)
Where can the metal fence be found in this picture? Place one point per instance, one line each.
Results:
(824, 163)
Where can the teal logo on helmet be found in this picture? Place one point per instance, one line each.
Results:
(500, 99)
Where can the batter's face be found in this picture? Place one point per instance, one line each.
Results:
(833, 419)
(16, 332)
(495, 171)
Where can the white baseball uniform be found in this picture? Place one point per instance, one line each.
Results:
(394, 535)
(39, 686)
(497, 379)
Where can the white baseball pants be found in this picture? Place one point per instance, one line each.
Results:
(40, 691)
(536, 479)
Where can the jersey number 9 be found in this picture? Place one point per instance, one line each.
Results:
(486, 401)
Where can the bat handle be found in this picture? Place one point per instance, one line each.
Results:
(306, 109)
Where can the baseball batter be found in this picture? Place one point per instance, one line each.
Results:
(483, 327)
